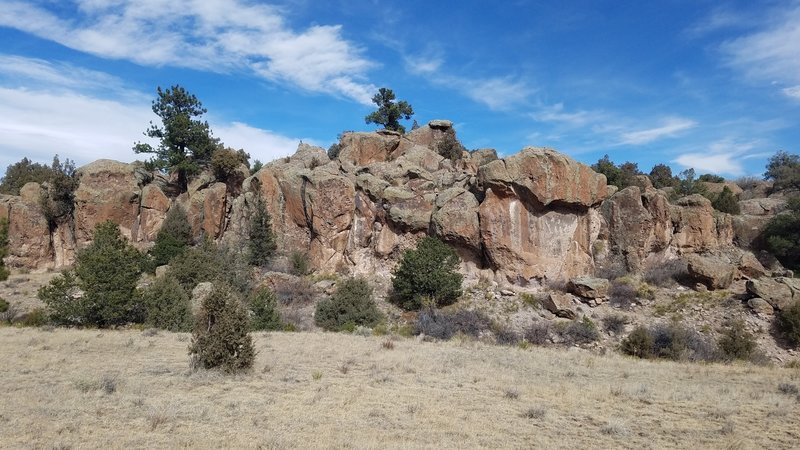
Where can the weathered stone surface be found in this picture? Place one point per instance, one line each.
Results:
(746, 229)
(544, 176)
(154, 207)
(778, 292)
(330, 203)
(562, 305)
(108, 190)
(31, 193)
(762, 206)
(589, 287)
(363, 149)
(698, 228)
(525, 243)
(214, 210)
(750, 267)
(456, 218)
(714, 274)
(28, 233)
(760, 306)
(716, 188)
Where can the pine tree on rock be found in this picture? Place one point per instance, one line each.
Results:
(262, 239)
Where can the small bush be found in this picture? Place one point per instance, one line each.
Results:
(263, 311)
(173, 238)
(781, 235)
(167, 305)
(334, 150)
(208, 262)
(615, 323)
(300, 263)
(726, 202)
(788, 323)
(64, 307)
(446, 325)
(226, 161)
(639, 343)
(622, 295)
(538, 333)
(4, 273)
(736, 342)
(352, 304)
(3, 305)
(711, 178)
(220, 338)
(430, 270)
(504, 335)
(582, 331)
(35, 318)
(449, 147)
(666, 273)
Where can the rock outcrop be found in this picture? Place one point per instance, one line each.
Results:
(530, 217)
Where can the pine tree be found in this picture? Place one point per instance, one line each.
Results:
(173, 237)
(262, 239)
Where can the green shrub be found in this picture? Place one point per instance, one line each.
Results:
(108, 270)
(3, 305)
(334, 150)
(63, 306)
(781, 235)
(788, 323)
(538, 333)
(615, 323)
(429, 271)
(225, 162)
(582, 331)
(208, 262)
(784, 169)
(22, 172)
(220, 338)
(58, 196)
(37, 317)
(666, 273)
(638, 343)
(726, 202)
(262, 239)
(173, 237)
(167, 305)
(257, 165)
(661, 176)
(263, 311)
(300, 263)
(711, 178)
(736, 342)
(351, 305)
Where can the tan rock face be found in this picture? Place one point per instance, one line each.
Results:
(714, 274)
(28, 234)
(153, 211)
(698, 227)
(524, 243)
(456, 218)
(107, 191)
(363, 149)
(545, 176)
(214, 210)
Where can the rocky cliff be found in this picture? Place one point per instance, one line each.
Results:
(534, 216)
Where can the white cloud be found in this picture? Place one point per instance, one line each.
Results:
(670, 128)
(771, 53)
(557, 113)
(725, 156)
(792, 92)
(211, 35)
(261, 144)
(719, 19)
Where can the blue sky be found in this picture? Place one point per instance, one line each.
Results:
(706, 84)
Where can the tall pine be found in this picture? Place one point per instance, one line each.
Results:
(262, 239)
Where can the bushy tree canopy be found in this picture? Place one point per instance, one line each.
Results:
(3, 248)
(173, 237)
(351, 305)
(620, 176)
(429, 271)
(186, 144)
(784, 169)
(661, 176)
(782, 235)
(262, 239)
(389, 113)
(24, 171)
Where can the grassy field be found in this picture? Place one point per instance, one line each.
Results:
(132, 389)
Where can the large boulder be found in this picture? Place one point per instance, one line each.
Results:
(108, 190)
(589, 287)
(713, 273)
(562, 305)
(363, 149)
(779, 292)
(697, 227)
(154, 207)
(456, 218)
(762, 206)
(29, 242)
(544, 176)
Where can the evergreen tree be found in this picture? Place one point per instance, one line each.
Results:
(186, 144)
(428, 272)
(173, 237)
(661, 176)
(726, 202)
(263, 310)
(262, 239)
(3, 249)
(220, 338)
(389, 113)
(167, 305)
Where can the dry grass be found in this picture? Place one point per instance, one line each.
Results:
(128, 389)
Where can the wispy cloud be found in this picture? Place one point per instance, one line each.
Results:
(792, 92)
(771, 53)
(558, 113)
(209, 35)
(50, 107)
(725, 156)
(671, 127)
(719, 19)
